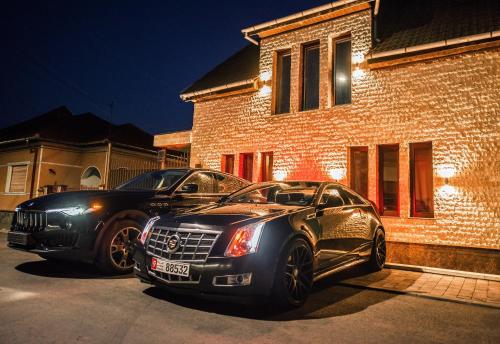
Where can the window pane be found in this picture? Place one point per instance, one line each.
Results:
(283, 82)
(204, 180)
(342, 70)
(267, 167)
(228, 163)
(421, 187)
(359, 170)
(227, 184)
(310, 77)
(389, 180)
(246, 166)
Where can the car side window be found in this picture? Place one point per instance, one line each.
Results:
(203, 180)
(354, 199)
(227, 184)
(331, 197)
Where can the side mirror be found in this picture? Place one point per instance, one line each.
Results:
(189, 188)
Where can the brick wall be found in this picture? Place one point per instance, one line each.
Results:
(452, 101)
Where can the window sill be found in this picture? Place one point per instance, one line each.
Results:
(336, 106)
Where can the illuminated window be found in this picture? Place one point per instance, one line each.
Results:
(359, 170)
(283, 66)
(388, 176)
(227, 164)
(266, 167)
(310, 76)
(246, 166)
(421, 186)
(342, 71)
(16, 178)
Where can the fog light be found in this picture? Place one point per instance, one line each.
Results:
(233, 280)
(68, 223)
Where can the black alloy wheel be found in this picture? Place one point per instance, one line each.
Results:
(117, 246)
(379, 251)
(295, 275)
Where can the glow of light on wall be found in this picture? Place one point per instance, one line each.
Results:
(265, 76)
(337, 173)
(265, 90)
(358, 58)
(279, 175)
(447, 191)
(358, 73)
(446, 171)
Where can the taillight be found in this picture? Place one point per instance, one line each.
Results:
(147, 228)
(245, 240)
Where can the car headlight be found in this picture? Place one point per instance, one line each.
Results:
(147, 228)
(245, 240)
(78, 210)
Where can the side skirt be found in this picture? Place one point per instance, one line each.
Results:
(339, 268)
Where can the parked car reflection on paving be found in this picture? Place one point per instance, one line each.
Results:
(268, 239)
(100, 226)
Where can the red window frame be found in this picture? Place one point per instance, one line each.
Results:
(266, 166)
(246, 166)
(421, 172)
(353, 172)
(380, 169)
(227, 163)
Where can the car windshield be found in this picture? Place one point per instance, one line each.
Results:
(286, 193)
(157, 180)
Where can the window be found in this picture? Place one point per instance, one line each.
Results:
(310, 76)
(388, 174)
(246, 166)
(91, 179)
(331, 197)
(204, 182)
(353, 199)
(16, 178)
(228, 184)
(359, 170)
(283, 67)
(421, 186)
(342, 71)
(227, 164)
(266, 167)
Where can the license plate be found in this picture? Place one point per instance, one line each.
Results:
(18, 238)
(170, 267)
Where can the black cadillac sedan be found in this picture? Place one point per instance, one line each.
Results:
(269, 239)
(100, 226)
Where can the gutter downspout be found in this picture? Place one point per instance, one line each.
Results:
(375, 38)
(250, 39)
(34, 170)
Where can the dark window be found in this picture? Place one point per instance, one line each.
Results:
(266, 166)
(359, 170)
(283, 67)
(228, 184)
(310, 77)
(353, 199)
(203, 180)
(227, 164)
(421, 186)
(332, 197)
(342, 72)
(246, 166)
(388, 174)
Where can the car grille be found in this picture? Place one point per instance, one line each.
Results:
(31, 221)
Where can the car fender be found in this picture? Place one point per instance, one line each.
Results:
(131, 214)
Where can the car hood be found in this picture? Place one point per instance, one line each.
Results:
(234, 214)
(78, 198)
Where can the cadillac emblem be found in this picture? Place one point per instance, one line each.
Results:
(173, 243)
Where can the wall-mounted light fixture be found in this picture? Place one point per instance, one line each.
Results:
(263, 83)
(446, 172)
(280, 175)
(337, 174)
(357, 60)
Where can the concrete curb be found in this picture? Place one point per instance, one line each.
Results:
(428, 296)
(439, 271)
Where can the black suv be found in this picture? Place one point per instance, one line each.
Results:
(100, 226)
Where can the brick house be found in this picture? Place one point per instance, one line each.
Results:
(398, 100)
(58, 151)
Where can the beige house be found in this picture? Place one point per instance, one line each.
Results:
(398, 100)
(58, 151)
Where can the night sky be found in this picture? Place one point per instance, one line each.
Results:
(137, 54)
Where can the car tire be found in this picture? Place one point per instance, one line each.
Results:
(378, 255)
(115, 252)
(294, 275)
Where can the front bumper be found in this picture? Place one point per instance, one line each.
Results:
(203, 275)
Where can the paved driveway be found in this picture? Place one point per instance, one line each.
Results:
(41, 302)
